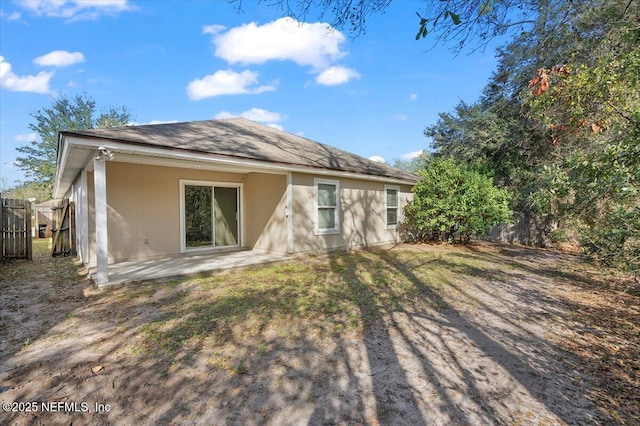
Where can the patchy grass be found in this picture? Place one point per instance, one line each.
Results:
(254, 342)
(36, 295)
(348, 292)
(343, 292)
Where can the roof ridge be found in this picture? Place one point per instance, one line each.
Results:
(243, 138)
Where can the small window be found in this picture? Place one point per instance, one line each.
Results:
(391, 206)
(327, 202)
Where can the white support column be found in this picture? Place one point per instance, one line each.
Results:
(84, 218)
(102, 239)
(289, 213)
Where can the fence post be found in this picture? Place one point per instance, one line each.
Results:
(1, 229)
(28, 230)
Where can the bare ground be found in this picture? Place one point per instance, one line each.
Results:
(488, 334)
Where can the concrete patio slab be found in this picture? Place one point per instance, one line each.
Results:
(186, 265)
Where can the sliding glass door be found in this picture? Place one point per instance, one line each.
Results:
(197, 215)
(210, 214)
(225, 201)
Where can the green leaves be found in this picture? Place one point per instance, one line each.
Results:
(452, 199)
(559, 122)
(454, 18)
(422, 30)
(591, 115)
(39, 157)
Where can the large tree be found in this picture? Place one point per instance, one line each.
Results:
(39, 157)
(589, 108)
(459, 23)
(558, 124)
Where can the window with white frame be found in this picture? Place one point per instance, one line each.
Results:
(391, 205)
(327, 206)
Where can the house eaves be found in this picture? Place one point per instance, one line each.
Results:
(237, 143)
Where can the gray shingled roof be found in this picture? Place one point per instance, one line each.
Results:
(245, 139)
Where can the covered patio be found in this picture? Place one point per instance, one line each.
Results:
(186, 265)
(150, 200)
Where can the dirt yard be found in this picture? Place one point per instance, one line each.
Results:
(429, 335)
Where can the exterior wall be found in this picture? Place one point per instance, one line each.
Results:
(144, 208)
(78, 200)
(91, 200)
(144, 211)
(362, 214)
(265, 208)
(84, 225)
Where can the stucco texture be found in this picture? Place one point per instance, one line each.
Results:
(144, 211)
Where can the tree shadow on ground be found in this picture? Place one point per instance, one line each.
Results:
(370, 337)
(528, 362)
(603, 318)
(36, 295)
(198, 358)
(589, 328)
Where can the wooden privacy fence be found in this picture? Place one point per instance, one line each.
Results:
(63, 229)
(524, 230)
(15, 228)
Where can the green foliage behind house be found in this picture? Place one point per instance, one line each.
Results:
(453, 200)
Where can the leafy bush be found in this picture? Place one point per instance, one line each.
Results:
(614, 240)
(558, 236)
(452, 200)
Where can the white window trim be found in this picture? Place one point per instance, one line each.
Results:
(183, 237)
(335, 230)
(386, 207)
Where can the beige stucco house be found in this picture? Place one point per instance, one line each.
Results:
(141, 192)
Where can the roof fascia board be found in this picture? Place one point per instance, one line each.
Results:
(124, 147)
(63, 154)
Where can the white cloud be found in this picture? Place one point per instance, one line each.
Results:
(226, 82)
(377, 159)
(223, 115)
(400, 117)
(260, 115)
(76, 9)
(29, 137)
(308, 44)
(213, 29)
(336, 75)
(29, 83)
(276, 126)
(162, 122)
(135, 123)
(411, 155)
(315, 45)
(10, 17)
(413, 96)
(59, 58)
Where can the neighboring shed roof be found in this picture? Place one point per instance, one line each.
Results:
(47, 204)
(245, 139)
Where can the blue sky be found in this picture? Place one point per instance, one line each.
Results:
(195, 60)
